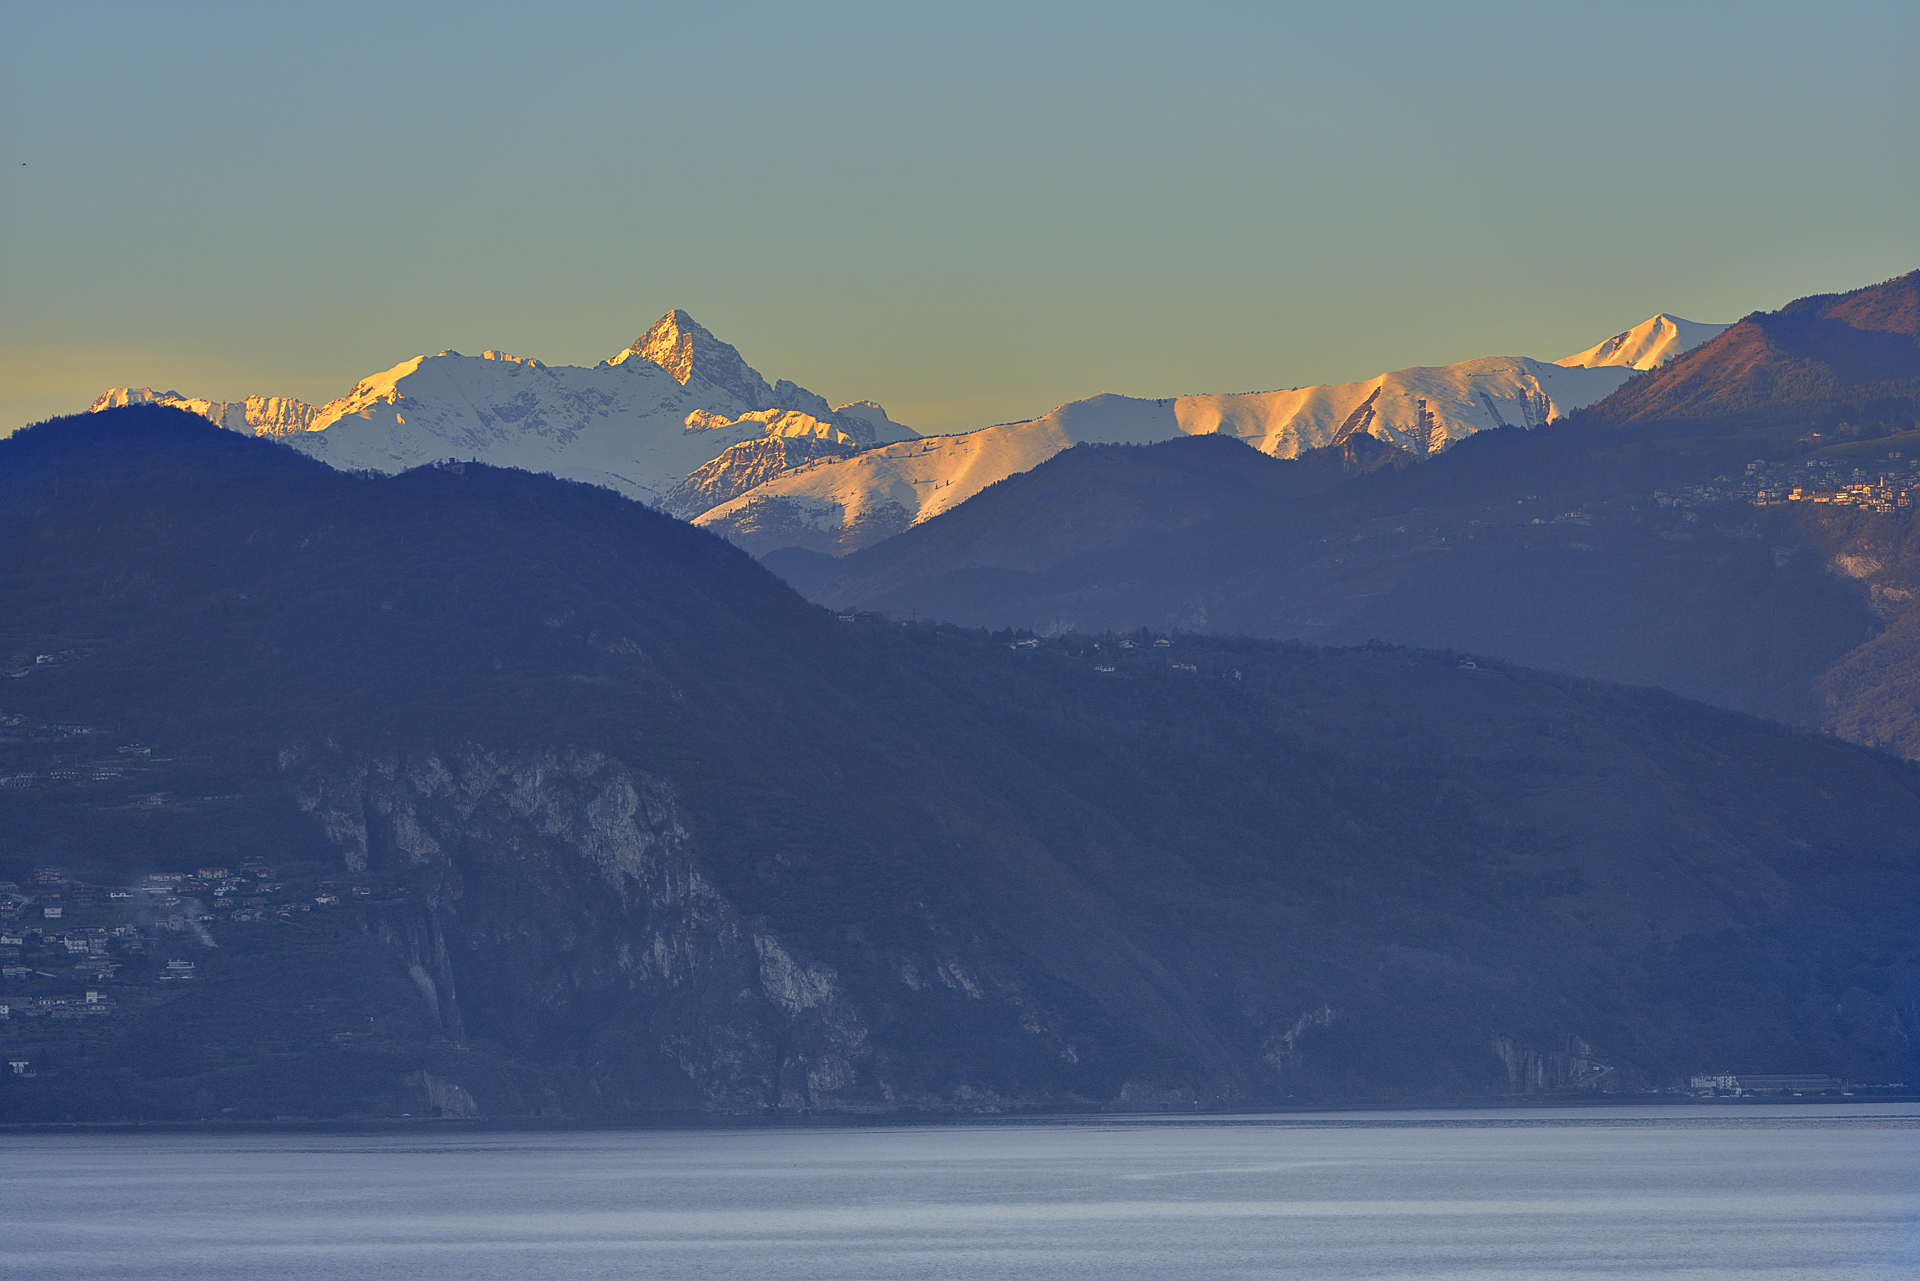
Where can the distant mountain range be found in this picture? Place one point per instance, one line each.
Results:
(973, 528)
(1623, 542)
(674, 401)
(843, 504)
(772, 465)
(546, 805)
(254, 416)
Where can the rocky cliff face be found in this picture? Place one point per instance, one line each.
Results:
(254, 416)
(688, 350)
(561, 901)
(1574, 1068)
(562, 889)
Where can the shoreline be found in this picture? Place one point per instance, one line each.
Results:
(1305, 1115)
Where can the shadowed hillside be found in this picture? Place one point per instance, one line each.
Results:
(1651, 540)
(1821, 362)
(549, 804)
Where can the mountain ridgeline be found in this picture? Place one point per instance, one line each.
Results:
(549, 804)
(1666, 536)
(679, 420)
(1833, 365)
(675, 402)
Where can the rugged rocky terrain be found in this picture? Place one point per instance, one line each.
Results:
(640, 423)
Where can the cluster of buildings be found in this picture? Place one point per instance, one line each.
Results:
(1740, 1084)
(126, 760)
(64, 943)
(1891, 485)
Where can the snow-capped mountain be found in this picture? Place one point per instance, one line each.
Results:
(639, 423)
(679, 420)
(1648, 344)
(746, 465)
(254, 416)
(839, 505)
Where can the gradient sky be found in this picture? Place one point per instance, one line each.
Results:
(968, 212)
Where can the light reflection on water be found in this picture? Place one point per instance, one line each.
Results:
(1691, 1192)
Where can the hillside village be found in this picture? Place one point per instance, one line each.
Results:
(1886, 484)
(73, 950)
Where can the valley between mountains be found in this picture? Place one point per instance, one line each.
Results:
(1472, 733)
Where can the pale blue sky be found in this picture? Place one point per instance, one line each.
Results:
(968, 212)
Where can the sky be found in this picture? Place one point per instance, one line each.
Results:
(968, 212)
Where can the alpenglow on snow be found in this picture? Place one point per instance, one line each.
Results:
(674, 401)
(678, 420)
(841, 505)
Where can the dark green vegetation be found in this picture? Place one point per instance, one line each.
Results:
(1548, 548)
(639, 829)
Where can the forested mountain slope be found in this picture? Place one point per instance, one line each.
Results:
(552, 804)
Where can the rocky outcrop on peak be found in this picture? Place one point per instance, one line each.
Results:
(254, 416)
(867, 422)
(639, 424)
(688, 350)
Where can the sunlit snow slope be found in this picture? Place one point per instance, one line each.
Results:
(678, 401)
(838, 505)
(1649, 343)
(254, 416)
(638, 423)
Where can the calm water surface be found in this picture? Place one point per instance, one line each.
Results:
(1695, 1192)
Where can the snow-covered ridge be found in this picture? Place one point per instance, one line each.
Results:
(841, 505)
(1648, 344)
(661, 419)
(254, 416)
(630, 423)
(1422, 410)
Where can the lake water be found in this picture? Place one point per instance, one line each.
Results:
(1689, 1192)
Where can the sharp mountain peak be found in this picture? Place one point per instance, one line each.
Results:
(1647, 345)
(687, 349)
(681, 345)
